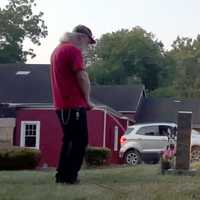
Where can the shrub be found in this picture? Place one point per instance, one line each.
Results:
(17, 158)
(97, 156)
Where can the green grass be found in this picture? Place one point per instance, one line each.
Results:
(140, 183)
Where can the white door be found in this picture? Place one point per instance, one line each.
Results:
(150, 139)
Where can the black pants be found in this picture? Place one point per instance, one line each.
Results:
(75, 140)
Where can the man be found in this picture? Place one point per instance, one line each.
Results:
(71, 90)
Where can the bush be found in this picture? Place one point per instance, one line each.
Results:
(97, 156)
(19, 158)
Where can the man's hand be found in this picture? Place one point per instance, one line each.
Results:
(90, 105)
(84, 84)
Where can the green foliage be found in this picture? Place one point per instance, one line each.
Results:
(128, 57)
(18, 22)
(186, 55)
(164, 92)
(136, 57)
(97, 156)
(19, 158)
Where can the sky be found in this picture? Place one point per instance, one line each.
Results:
(166, 19)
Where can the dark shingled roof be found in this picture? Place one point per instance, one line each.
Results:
(34, 88)
(166, 109)
(119, 97)
(31, 88)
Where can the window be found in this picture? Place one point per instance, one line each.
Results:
(129, 130)
(164, 130)
(30, 134)
(149, 131)
(167, 131)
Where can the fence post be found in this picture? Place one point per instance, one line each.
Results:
(183, 140)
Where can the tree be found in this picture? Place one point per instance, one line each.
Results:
(128, 57)
(18, 23)
(186, 54)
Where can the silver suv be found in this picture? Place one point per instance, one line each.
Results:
(144, 142)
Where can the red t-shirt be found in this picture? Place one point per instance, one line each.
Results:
(66, 60)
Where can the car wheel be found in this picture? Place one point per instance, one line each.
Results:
(132, 157)
(195, 154)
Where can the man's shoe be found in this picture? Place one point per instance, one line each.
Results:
(73, 181)
(59, 179)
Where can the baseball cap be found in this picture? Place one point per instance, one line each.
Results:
(84, 30)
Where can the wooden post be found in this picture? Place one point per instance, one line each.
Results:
(183, 140)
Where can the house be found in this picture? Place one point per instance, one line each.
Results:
(166, 109)
(26, 90)
(124, 98)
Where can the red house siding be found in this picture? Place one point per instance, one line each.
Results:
(102, 122)
(50, 133)
(130, 115)
(101, 132)
(124, 122)
(95, 127)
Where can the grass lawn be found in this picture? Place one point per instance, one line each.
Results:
(139, 183)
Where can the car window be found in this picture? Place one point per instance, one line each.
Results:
(129, 130)
(168, 131)
(149, 131)
(195, 132)
(165, 130)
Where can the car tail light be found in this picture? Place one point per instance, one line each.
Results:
(123, 140)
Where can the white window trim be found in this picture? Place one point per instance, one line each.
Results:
(22, 133)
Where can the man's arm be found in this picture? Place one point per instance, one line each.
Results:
(84, 84)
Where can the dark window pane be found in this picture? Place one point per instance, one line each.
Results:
(30, 141)
(29, 132)
(149, 131)
(34, 127)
